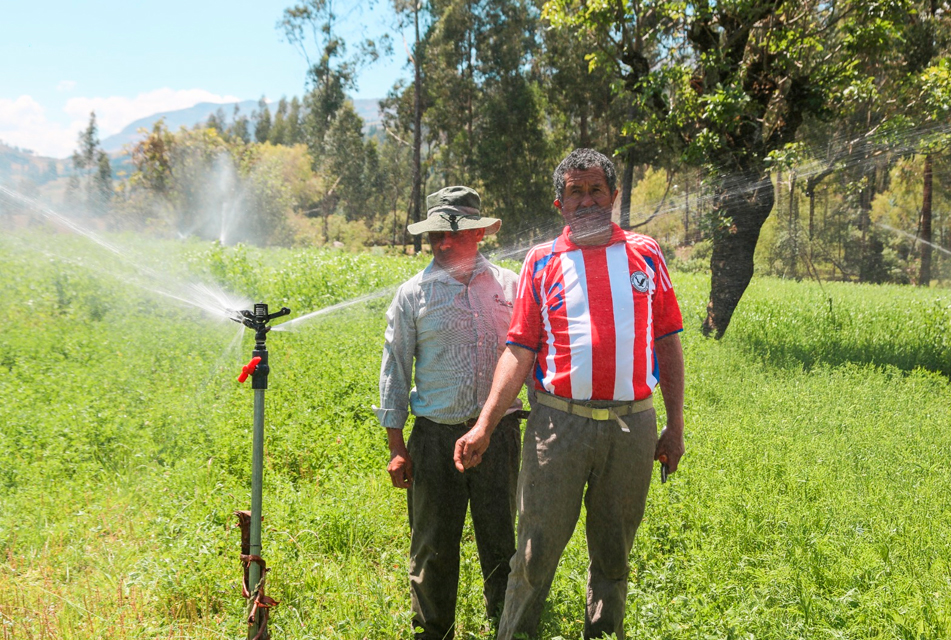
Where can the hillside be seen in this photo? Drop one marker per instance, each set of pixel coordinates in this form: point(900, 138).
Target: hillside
point(40, 175)
point(367, 109)
point(18, 166)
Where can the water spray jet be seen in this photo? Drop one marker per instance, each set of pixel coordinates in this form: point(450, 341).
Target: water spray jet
point(255, 569)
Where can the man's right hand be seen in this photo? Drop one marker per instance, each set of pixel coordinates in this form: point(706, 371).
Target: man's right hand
point(471, 447)
point(400, 469)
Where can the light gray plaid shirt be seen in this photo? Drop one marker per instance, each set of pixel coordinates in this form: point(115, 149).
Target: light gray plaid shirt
point(455, 332)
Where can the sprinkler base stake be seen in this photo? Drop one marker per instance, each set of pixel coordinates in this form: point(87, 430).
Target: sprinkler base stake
point(258, 603)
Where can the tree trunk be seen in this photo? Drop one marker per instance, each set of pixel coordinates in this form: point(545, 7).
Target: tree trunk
point(686, 209)
point(870, 265)
point(417, 133)
point(584, 139)
point(627, 176)
point(924, 275)
point(745, 201)
point(793, 226)
point(627, 185)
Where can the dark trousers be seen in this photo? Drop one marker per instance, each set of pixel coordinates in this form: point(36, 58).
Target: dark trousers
point(437, 512)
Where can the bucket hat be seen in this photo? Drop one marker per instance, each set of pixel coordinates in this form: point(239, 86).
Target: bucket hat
point(454, 209)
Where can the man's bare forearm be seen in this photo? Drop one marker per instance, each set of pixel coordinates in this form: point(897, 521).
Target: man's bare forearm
point(510, 372)
point(670, 360)
point(394, 438)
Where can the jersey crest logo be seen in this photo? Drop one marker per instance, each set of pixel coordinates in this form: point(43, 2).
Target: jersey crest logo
point(640, 281)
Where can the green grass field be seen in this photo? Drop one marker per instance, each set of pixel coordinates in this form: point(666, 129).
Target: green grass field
point(814, 500)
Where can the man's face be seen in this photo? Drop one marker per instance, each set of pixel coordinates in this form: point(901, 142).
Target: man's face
point(586, 203)
point(454, 249)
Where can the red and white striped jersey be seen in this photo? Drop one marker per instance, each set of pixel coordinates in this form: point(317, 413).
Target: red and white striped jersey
point(591, 314)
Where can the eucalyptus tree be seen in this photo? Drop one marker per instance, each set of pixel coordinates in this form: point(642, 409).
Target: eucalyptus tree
point(278, 132)
point(511, 152)
point(294, 135)
point(725, 85)
point(582, 108)
point(585, 111)
point(311, 26)
point(262, 121)
point(91, 181)
point(239, 128)
point(327, 122)
point(412, 10)
point(484, 121)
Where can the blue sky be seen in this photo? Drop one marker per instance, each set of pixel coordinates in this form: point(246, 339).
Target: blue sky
point(60, 60)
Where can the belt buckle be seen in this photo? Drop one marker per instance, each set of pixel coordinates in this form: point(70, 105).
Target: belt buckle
point(600, 414)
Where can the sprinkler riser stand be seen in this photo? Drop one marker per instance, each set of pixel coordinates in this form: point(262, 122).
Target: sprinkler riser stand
point(257, 483)
point(258, 602)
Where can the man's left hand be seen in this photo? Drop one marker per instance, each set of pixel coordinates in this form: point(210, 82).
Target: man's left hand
point(670, 445)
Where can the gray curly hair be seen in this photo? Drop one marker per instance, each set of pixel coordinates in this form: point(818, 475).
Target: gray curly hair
point(579, 160)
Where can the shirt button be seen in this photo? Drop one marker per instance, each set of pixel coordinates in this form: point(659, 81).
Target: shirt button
point(476, 314)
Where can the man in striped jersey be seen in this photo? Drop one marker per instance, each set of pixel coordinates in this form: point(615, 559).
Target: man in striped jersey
point(451, 319)
point(597, 323)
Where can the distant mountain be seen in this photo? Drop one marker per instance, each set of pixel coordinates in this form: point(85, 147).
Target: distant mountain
point(369, 110)
point(18, 165)
point(173, 120)
point(24, 169)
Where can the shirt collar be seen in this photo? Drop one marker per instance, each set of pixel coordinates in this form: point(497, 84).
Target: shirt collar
point(434, 272)
point(563, 242)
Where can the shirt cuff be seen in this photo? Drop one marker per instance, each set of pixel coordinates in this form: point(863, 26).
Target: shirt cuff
point(519, 344)
point(669, 333)
point(391, 418)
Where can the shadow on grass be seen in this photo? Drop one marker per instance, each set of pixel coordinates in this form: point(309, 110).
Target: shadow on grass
point(905, 336)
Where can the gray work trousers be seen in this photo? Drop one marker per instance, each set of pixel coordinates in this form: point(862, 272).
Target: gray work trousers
point(437, 511)
point(567, 459)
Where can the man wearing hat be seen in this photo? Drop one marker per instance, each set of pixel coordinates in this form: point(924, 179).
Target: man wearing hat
point(452, 318)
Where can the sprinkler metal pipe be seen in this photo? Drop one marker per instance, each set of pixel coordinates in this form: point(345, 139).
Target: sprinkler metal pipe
point(255, 568)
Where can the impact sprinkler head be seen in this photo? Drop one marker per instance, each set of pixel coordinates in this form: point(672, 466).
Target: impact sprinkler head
point(258, 318)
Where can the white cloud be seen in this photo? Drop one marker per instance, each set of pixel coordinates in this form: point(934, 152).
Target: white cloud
point(115, 112)
point(24, 121)
point(66, 85)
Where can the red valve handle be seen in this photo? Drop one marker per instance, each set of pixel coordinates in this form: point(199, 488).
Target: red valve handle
point(249, 368)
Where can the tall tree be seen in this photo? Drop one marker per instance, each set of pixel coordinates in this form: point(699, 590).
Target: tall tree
point(91, 182)
point(293, 122)
point(585, 111)
point(346, 160)
point(262, 121)
point(217, 121)
point(726, 86)
point(278, 133)
point(415, 7)
point(930, 36)
point(239, 128)
point(311, 27)
point(482, 104)
point(512, 154)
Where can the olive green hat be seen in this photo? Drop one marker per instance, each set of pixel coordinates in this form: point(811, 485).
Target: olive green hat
point(454, 209)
